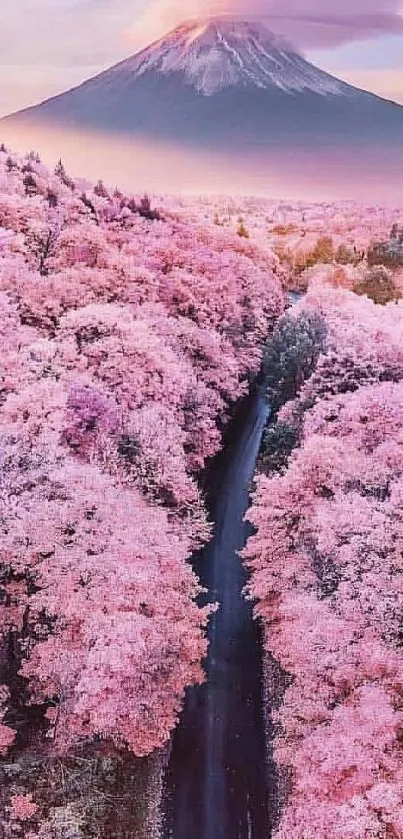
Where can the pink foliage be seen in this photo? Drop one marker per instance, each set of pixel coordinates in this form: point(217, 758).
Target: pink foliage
point(125, 340)
point(7, 736)
point(126, 639)
point(89, 414)
point(22, 808)
point(326, 575)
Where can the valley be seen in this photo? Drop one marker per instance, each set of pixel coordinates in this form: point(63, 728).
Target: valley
point(133, 336)
point(201, 413)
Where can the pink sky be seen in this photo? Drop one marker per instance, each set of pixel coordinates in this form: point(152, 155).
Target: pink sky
point(309, 23)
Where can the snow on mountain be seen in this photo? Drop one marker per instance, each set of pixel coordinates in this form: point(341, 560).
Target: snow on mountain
point(221, 52)
point(224, 83)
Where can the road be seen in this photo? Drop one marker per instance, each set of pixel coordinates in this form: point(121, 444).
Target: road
point(217, 779)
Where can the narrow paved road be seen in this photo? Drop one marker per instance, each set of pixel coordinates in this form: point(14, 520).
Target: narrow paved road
point(217, 781)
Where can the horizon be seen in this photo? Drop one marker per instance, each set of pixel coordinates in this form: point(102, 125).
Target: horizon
point(153, 153)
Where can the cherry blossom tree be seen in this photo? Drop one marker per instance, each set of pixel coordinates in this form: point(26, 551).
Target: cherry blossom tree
point(128, 333)
point(325, 563)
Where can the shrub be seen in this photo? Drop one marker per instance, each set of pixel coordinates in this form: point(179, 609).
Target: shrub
point(292, 354)
point(100, 190)
point(278, 442)
point(389, 253)
point(348, 256)
point(145, 210)
point(243, 231)
point(378, 284)
point(30, 184)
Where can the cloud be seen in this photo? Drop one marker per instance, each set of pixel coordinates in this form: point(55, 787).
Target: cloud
point(308, 23)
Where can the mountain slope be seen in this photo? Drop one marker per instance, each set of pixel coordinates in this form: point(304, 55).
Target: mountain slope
point(224, 81)
point(221, 53)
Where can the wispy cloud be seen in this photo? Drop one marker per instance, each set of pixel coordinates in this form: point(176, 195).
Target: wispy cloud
point(309, 23)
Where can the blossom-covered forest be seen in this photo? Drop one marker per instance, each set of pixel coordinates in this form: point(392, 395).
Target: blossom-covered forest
point(326, 563)
point(126, 337)
point(130, 331)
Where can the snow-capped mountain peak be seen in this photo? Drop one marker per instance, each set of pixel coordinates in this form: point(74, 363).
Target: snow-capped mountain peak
point(222, 52)
point(224, 83)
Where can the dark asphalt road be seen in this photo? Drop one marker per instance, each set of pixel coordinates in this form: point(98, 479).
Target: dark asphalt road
point(217, 779)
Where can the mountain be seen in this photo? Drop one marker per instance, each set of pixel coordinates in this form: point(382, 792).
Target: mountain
point(224, 81)
point(222, 53)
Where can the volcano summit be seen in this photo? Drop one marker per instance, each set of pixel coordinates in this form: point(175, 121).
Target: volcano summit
point(224, 81)
point(222, 53)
